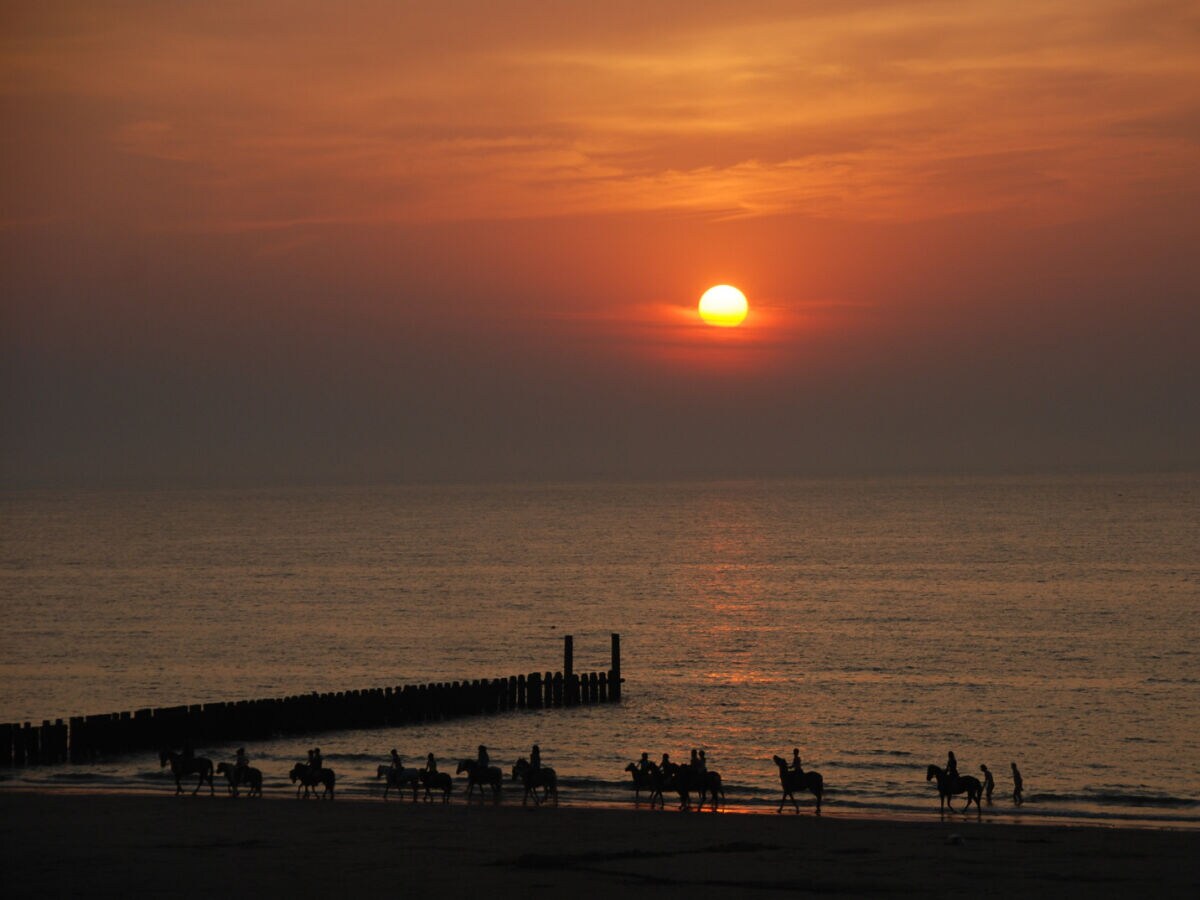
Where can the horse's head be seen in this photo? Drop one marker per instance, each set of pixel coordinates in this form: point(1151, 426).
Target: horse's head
point(464, 765)
point(519, 768)
point(781, 762)
point(380, 772)
point(222, 768)
point(632, 767)
point(295, 773)
point(932, 772)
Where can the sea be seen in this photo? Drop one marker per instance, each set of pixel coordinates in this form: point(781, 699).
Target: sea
point(873, 623)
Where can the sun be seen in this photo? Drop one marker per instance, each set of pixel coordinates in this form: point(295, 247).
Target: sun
point(724, 306)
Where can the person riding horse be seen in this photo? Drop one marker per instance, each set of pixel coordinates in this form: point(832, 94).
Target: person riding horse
point(794, 765)
point(397, 762)
point(483, 759)
point(535, 758)
point(644, 765)
point(430, 765)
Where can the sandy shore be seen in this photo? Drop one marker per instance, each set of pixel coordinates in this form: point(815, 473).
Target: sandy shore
point(100, 845)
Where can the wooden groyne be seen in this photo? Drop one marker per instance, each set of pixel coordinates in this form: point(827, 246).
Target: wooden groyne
point(85, 738)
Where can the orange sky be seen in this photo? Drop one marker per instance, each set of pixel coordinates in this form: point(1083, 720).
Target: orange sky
point(310, 241)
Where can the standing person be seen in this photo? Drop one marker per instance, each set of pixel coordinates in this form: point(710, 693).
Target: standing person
point(535, 758)
point(989, 783)
point(1018, 786)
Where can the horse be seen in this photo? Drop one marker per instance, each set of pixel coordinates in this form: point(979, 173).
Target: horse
point(310, 778)
point(439, 780)
point(477, 775)
point(651, 780)
point(685, 780)
point(237, 777)
point(544, 778)
point(797, 779)
point(399, 779)
point(967, 784)
point(188, 765)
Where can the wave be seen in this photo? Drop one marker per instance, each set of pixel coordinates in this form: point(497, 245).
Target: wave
point(1117, 798)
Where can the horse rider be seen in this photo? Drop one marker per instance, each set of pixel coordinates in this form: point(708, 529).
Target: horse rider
point(483, 759)
point(240, 763)
point(317, 763)
point(666, 765)
point(644, 765)
point(397, 763)
point(703, 764)
point(430, 765)
point(952, 769)
point(795, 763)
point(535, 758)
point(694, 762)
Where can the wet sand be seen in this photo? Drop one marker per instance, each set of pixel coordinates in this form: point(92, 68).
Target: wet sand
point(98, 845)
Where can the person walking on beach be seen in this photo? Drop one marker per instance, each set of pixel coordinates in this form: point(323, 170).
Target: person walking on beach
point(989, 783)
point(1018, 786)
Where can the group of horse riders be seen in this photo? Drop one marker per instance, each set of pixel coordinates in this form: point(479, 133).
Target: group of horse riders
point(646, 766)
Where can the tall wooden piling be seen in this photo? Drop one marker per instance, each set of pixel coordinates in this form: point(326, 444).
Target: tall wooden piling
point(614, 673)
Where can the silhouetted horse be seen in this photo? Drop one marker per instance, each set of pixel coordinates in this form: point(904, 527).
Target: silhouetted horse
point(793, 780)
point(437, 780)
point(685, 781)
point(651, 780)
point(967, 784)
point(310, 779)
point(250, 777)
point(399, 779)
point(188, 765)
point(544, 778)
point(477, 775)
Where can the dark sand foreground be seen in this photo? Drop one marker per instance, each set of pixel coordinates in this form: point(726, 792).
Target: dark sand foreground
point(100, 845)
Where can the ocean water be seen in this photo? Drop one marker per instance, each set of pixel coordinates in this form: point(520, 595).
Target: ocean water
point(873, 623)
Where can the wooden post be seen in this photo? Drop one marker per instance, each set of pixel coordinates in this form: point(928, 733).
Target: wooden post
point(614, 675)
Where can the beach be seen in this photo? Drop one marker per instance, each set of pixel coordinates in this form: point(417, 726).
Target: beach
point(99, 845)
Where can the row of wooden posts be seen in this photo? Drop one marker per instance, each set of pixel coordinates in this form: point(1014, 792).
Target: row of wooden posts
point(86, 738)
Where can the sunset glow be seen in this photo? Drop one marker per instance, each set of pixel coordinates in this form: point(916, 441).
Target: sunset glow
point(233, 235)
